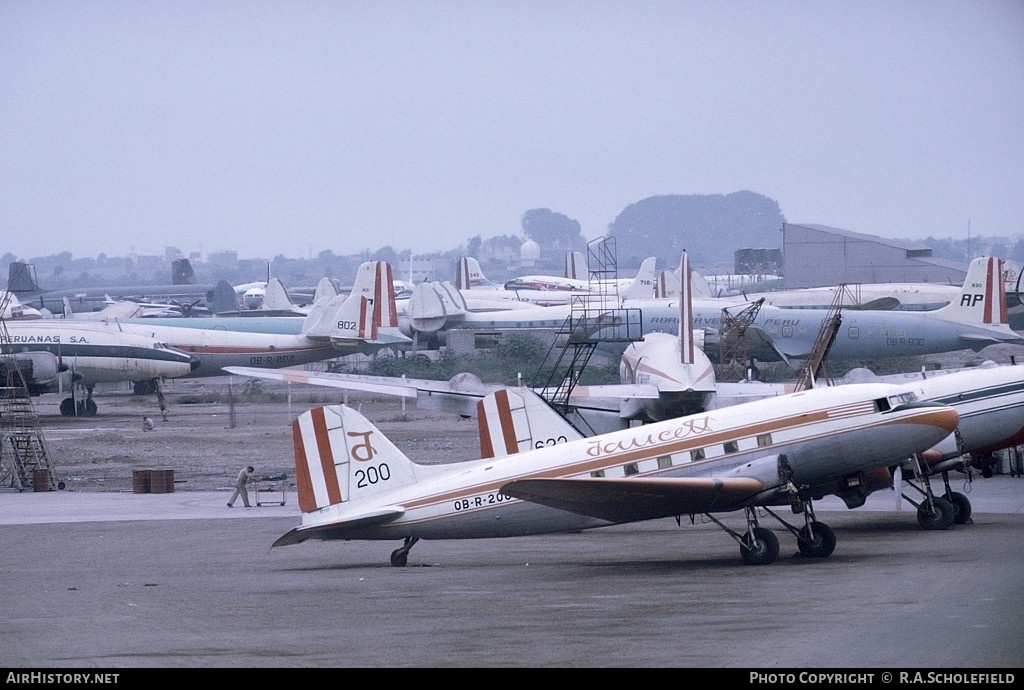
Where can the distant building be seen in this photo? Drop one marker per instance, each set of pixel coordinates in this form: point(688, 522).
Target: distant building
point(225, 259)
point(818, 256)
point(529, 254)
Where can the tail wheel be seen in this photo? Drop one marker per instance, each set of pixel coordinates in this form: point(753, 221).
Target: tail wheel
point(761, 547)
point(817, 540)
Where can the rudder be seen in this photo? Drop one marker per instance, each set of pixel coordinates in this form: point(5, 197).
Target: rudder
point(340, 456)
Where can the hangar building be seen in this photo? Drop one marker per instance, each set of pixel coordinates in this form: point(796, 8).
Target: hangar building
point(818, 256)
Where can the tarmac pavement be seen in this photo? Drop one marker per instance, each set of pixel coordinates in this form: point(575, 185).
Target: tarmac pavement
point(102, 580)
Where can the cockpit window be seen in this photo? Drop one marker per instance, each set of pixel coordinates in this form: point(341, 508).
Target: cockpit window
point(902, 398)
point(885, 404)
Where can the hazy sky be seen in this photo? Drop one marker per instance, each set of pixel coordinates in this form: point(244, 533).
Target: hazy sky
point(290, 127)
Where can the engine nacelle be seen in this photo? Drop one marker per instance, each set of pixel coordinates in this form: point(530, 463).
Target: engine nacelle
point(855, 488)
point(43, 371)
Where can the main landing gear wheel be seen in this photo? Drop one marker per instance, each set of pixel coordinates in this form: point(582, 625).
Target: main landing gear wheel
point(400, 556)
point(69, 407)
point(961, 507)
point(760, 547)
point(939, 516)
point(816, 540)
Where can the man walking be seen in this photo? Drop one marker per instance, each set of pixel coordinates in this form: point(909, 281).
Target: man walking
point(244, 477)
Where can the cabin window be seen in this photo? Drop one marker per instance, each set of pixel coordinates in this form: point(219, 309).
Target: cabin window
point(664, 462)
point(764, 440)
point(730, 447)
point(854, 332)
point(696, 454)
point(900, 333)
point(597, 473)
point(787, 331)
point(630, 469)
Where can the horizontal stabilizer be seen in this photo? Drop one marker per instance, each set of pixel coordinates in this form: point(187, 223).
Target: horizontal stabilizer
point(615, 391)
point(338, 530)
point(635, 498)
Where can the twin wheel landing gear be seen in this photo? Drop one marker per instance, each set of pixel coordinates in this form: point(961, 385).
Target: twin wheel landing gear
point(938, 512)
point(760, 546)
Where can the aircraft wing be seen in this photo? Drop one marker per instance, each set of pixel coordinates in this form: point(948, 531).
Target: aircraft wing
point(635, 498)
point(458, 395)
point(341, 529)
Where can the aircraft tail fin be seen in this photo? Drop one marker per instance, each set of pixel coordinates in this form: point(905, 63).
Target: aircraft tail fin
point(325, 289)
point(433, 304)
point(668, 285)
point(687, 345)
point(276, 296)
point(224, 298)
point(982, 300)
point(361, 315)
point(375, 282)
point(468, 275)
point(642, 286)
point(182, 273)
point(340, 456)
point(21, 277)
point(518, 420)
point(576, 266)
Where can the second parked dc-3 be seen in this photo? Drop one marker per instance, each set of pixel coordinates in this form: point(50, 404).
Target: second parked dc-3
point(539, 476)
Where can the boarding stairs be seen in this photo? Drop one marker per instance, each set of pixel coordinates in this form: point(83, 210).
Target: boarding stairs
point(594, 319)
point(25, 463)
point(816, 370)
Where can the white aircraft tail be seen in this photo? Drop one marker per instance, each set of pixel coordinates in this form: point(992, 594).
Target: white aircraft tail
point(687, 343)
point(982, 300)
point(432, 304)
point(340, 456)
point(360, 315)
point(276, 297)
point(642, 286)
point(325, 289)
point(576, 266)
point(469, 275)
point(518, 420)
point(669, 285)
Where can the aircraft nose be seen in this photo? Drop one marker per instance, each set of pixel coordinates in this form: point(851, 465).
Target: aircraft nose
point(947, 418)
point(936, 414)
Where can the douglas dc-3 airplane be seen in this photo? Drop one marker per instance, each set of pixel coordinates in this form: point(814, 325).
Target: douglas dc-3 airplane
point(538, 476)
point(665, 377)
